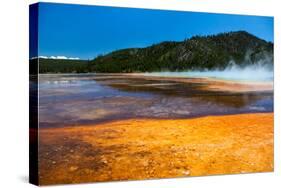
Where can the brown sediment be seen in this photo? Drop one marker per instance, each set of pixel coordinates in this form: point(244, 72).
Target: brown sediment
point(148, 148)
point(232, 86)
point(213, 84)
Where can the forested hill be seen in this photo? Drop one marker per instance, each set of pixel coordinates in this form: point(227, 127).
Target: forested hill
point(196, 53)
point(62, 65)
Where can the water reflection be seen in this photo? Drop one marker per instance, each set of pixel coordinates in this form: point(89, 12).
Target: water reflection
point(83, 99)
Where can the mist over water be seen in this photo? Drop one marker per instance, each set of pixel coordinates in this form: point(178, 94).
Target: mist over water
point(259, 72)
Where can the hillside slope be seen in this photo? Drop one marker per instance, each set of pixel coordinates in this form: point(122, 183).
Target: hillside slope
point(196, 53)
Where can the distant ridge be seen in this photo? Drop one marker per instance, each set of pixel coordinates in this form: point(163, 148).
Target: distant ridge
point(197, 53)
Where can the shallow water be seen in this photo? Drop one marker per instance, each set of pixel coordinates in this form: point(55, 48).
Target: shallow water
point(91, 98)
point(231, 74)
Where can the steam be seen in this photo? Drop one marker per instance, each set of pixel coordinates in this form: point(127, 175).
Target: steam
point(255, 72)
point(260, 71)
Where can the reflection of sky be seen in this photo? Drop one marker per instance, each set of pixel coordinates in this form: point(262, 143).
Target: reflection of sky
point(64, 88)
point(68, 100)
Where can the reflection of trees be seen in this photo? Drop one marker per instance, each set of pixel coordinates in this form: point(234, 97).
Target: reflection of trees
point(180, 89)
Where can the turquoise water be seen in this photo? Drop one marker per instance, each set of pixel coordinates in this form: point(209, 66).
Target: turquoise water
point(232, 74)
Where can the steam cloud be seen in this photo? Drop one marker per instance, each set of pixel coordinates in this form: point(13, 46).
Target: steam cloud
point(260, 71)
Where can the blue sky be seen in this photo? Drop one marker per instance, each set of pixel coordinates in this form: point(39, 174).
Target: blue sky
point(87, 31)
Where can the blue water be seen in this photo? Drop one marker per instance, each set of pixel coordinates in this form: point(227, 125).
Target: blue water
point(81, 99)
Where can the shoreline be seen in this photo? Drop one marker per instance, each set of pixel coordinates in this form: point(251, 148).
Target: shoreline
point(102, 123)
point(148, 149)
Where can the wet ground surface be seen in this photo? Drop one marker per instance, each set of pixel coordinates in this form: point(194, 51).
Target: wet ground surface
point(148, 148)
point(69, 100)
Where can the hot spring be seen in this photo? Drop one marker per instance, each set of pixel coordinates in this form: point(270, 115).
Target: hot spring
point(252, 73)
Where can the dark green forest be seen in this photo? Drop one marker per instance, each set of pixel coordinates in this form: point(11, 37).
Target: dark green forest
point(196, 53)
point(63, 66)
